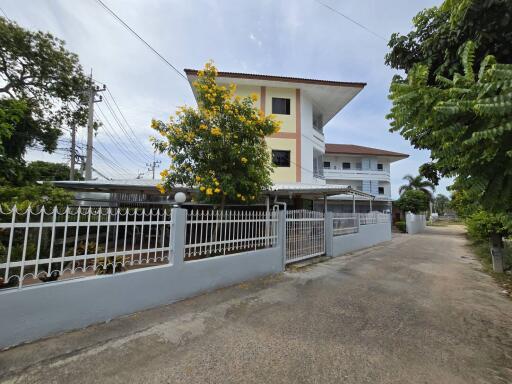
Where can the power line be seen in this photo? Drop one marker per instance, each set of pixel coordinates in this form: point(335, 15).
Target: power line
point(140, 150)
point(125, 151)
point(5, 14)
point(351, 20)
point(141, 39)
point(122, 114)
point(112, 160)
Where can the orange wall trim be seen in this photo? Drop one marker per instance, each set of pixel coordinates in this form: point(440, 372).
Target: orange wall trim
point(263, 99)
point(298, 136)
point(284, 135)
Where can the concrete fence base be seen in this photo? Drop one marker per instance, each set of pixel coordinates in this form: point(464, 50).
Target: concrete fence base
point(367, 236)
point(41, 310)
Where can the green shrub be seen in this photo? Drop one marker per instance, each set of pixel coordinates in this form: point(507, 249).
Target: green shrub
point(414, 201)
point(401, 226)
point(482, 224)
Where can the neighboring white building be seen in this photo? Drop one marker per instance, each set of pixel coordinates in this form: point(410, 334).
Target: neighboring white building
point(362, 168)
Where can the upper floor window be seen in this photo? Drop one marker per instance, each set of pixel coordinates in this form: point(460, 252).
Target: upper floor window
point(327, 164)
point(281, 158)
point(318, 122)
point(346, 165)
point(280, 106)
point(380, 167)
point(381, 190)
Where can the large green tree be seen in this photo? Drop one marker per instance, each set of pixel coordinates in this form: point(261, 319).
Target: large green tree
point(465, 122)
point(42, 90)
point(441, 204)
point(439, 33)
point(218, 147)
point(414, 201)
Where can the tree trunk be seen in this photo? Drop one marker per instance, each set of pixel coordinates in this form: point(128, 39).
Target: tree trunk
point(496, 243)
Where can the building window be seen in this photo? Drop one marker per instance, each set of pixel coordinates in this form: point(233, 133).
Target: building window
point(280, 106)
point(346, 165)
point(318, 122)
point(327, 164)
point(380, 167)
point(281, 158)
point(381, 190)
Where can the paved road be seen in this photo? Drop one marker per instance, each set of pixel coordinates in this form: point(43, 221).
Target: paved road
point(415, 310)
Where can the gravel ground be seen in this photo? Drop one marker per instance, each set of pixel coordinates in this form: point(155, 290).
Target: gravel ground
point(414, 310)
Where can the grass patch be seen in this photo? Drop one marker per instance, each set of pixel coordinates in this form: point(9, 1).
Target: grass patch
point(481, 250)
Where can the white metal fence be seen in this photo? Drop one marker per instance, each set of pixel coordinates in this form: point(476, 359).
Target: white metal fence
point(305, 234)
point(345, 223)
point(374, 218)
point(214, 232)
point(40, 245)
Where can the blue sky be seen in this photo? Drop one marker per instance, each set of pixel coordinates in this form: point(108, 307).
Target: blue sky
point(280, 37)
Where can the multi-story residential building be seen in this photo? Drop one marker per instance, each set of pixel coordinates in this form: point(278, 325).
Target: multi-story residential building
point(304, 106)
point(362, 168)
point(299, 152)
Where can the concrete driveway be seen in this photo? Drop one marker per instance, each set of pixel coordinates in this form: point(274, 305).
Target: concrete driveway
point(415, 310)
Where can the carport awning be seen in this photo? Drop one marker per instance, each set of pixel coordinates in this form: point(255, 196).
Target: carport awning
point(149, 186)
point(314, 190)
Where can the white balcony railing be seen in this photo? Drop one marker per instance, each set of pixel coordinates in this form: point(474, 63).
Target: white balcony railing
point(356, 174)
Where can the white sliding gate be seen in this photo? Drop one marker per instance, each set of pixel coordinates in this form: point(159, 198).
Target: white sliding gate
point(305, 234)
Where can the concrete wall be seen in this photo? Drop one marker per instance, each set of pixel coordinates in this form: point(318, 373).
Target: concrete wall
point(34, 312)
point(415, 223)
point(367, 236)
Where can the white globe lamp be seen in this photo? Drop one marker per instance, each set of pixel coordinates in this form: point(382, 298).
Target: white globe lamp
point(180, 198)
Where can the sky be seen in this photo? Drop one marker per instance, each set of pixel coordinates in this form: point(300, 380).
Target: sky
point(299, 38)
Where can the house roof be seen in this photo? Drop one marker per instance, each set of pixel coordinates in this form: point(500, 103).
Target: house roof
point(351, 149)
point(327, 97)
point(254, 76)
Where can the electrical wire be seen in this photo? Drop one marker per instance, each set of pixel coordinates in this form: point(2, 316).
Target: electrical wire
point(122, 148)
point(351, 20)
point(141, 39)
point(139, 149)
point(122, 115)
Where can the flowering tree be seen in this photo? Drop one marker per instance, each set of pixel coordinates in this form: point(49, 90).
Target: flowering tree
point(218, 147)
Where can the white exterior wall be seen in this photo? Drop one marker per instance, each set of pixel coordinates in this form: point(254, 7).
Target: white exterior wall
point(367, 178)
point(310, 140)
point(368, 163)
point(415, 223)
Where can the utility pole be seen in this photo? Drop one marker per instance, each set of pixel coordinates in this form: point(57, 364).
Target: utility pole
point(93, 90)
point(73, 153)
point(153, 165)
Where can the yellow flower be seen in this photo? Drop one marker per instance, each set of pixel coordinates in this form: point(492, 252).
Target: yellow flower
point(238, 195)
point(216, 131)
point(202, 189)
point(161, 188)
point(203, 126)
point(217, 190)
point(243, 198)
point(252, 197)
point(154, 123)
point(164, 173)
point(198, 178)
point(254, 96)
point(243, 160)
point(209, 191)
point(216, 183)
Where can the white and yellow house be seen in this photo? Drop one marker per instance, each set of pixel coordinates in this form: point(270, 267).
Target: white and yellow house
point(303, 106)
